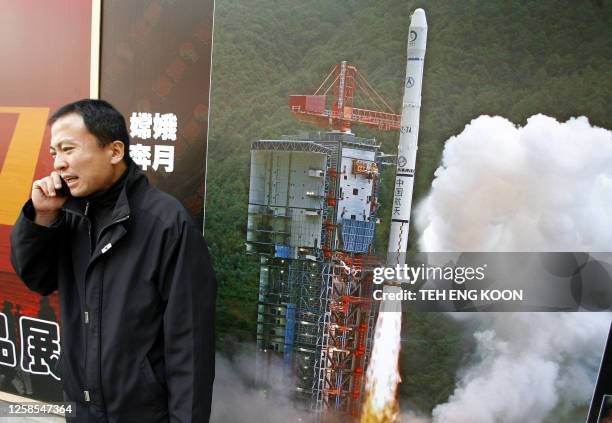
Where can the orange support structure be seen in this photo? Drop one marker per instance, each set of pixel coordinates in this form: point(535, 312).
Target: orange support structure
point(346, 84)
point(347, 350)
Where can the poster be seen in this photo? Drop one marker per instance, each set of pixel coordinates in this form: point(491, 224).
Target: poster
point(513, 155)
point(46, 51)
point(155, 68)
point(153, 62)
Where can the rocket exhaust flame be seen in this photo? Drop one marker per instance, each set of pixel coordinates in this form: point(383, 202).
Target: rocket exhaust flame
point(380, 404)
point(383, 372)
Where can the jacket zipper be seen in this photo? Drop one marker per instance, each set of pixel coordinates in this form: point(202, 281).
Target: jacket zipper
point(126, 217)
point(86, 317)
point(88, 229)
point(100, 342)
point(87, 314)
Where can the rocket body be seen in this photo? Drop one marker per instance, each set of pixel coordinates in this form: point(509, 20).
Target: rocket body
point(409, 132)
point(383, 375)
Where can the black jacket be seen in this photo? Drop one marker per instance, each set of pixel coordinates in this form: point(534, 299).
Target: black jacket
point(136, 305)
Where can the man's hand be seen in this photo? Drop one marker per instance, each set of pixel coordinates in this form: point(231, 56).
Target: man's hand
point(45, 199)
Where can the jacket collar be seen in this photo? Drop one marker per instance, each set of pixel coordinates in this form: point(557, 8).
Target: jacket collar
point(134, 178)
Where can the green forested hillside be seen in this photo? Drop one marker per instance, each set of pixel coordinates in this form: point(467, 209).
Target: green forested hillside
point(494, 57)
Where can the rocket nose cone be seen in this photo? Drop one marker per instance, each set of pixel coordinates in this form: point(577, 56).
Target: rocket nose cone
point(418, 18)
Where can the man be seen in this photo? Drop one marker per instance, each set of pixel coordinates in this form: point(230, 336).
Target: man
point(137, 291)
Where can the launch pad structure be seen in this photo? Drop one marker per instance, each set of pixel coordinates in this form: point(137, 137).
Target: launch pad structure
point(313, 205)
point(312, 216)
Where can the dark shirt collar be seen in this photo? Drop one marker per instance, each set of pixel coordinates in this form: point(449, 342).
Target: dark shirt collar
point(108, 197)
point(131, 176)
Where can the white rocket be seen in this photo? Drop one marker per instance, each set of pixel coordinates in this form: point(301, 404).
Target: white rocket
point(409, 133)
point(383, 375)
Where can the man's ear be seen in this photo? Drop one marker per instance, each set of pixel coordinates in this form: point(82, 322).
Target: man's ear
point(118, 151)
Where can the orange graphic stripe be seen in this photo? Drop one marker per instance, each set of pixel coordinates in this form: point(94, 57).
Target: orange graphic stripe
point(17, 172)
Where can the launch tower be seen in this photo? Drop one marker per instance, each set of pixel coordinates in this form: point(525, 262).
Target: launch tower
point(312, 216)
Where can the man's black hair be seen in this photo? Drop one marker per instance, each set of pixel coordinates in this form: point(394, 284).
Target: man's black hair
point(101, 119)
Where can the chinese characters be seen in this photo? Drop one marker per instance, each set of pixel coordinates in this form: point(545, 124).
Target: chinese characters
point(40, 345)
point(157, 126)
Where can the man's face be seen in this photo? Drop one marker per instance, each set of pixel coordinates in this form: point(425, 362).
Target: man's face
point(79, 159)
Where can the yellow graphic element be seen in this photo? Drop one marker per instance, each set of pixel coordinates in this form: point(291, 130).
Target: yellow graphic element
point(17, 172)
point(94, 64)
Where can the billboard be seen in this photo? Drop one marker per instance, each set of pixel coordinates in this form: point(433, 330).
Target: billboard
point(155, 68)
point(46, 51)
point(151, 59)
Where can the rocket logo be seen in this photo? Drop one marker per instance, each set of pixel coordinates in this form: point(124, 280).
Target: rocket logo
point(409, 82)
point(412, 37)
point(401, 161)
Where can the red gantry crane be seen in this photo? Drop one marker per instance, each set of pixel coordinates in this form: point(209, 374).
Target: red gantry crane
point(345, 82)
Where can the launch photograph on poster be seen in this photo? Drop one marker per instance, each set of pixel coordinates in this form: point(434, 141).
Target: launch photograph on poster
point(406, 204)
point(314, 177)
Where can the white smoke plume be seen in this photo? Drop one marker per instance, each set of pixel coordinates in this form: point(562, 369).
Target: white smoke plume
point(409, 417)
point(249, 391)
point(546, 186)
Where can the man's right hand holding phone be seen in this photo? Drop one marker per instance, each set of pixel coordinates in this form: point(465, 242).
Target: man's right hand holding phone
point(47, 198)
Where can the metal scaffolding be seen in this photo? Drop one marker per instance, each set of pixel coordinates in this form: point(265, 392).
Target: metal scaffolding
point(315, 305)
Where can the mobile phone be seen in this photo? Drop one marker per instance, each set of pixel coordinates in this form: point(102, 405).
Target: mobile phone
point(64, 191)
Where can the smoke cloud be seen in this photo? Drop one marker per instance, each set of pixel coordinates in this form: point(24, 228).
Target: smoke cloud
point(546, 186)
point(409, 417)
point(542, 187)
point(250, 391)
